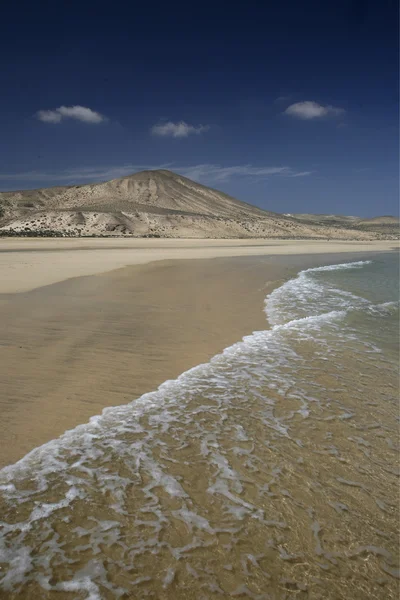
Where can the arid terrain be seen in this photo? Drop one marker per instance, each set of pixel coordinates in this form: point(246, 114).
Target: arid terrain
point(163, 204)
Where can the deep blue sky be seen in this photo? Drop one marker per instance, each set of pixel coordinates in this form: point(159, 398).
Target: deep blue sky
point(234, 71)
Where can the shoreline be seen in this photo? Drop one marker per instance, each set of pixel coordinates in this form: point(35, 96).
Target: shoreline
point(73, 348)
point(27, 264)
point(278, 438)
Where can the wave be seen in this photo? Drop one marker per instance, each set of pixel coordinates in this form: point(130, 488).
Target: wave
point(339, 267)
point(307, 295)
point(247, 347)
point(125, 445)
point(385, 308)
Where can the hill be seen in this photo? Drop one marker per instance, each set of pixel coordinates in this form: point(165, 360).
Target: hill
point(162, 203)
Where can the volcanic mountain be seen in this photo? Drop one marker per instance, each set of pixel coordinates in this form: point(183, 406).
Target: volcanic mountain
point(160, 203)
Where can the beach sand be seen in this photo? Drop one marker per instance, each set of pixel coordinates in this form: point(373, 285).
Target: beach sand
point(79, 334)
point(268, 472)
point(29, 263)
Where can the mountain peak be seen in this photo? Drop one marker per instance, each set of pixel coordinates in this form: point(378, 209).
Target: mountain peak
point(163, 203)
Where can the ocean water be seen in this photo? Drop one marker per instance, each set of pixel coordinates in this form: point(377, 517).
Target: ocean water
point(270, 472)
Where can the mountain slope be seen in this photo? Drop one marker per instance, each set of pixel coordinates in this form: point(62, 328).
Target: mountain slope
point(162, 203)
point(147, 190)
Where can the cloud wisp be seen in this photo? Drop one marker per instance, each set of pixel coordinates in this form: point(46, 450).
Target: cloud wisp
point(178, 130)
point(282, 99)
point(204, 173)
point(78, 113)
point(212, 172)
point(312, 110)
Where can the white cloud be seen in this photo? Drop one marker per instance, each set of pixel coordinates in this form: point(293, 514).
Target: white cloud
point(74, 176)
point(178, 130)
point(49, 116)
point(302, 174)
point(79, 113)
point(312, 110)
point(205, 173)
point(218, 173)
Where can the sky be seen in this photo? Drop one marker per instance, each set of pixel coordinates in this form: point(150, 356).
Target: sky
point(291, 106)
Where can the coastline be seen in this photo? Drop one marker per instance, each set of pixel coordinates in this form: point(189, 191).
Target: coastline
point(72, 348)
point(26, 264)
point(241, 461)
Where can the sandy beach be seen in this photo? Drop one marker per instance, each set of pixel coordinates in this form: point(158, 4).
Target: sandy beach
point(81, 331)
point(268, 470)
point(26, 264)
point(200, 302)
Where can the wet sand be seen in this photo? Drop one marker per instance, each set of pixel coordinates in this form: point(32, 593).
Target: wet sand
point(269, 473)
point(72, 348)
point(26, 264)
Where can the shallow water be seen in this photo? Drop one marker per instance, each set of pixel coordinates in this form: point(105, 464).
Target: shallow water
point(270, 472)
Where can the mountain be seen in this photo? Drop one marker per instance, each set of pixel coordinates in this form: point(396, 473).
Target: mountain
point(386, 224)
point(162, 203)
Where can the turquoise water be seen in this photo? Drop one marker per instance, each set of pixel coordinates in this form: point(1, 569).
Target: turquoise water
point(270, 472)
point(377, 282)
point(365, 292)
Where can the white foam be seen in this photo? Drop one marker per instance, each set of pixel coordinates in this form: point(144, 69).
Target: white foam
point(339, 267)
point(305, 296)
point(384, 309)
point(169, 577)
point(129, 449)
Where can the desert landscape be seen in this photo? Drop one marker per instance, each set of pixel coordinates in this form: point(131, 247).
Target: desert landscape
point(160, 203)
